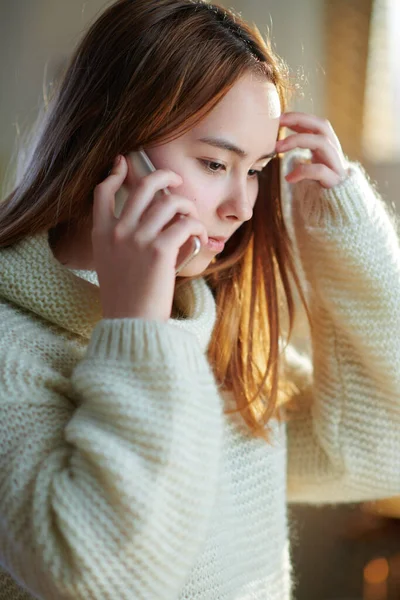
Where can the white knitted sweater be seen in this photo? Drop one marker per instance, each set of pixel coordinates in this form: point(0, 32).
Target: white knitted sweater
point(120, 476)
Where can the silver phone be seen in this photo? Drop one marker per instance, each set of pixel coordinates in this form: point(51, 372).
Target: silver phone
point(142, 166)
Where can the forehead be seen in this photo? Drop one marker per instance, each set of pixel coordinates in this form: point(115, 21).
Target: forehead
point(248, 115)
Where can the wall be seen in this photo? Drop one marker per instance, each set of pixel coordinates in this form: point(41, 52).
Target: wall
point(35, 35)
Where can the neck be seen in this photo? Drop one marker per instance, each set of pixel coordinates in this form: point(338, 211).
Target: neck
point(72, 246)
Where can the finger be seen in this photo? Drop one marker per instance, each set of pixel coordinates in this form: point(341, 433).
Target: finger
point(316, 143)
point(181, 231)
point(160, 215)
point(143, 194)
point(104, 194)
point(326, 177)
point(306, 123)
point(305, 120)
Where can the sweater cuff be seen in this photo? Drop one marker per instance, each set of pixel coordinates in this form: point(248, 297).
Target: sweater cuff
point(144, 341)
point(349, 202)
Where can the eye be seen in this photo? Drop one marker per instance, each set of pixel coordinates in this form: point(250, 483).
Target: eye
point(254, 173)
point(216, 167)
point(213, 166)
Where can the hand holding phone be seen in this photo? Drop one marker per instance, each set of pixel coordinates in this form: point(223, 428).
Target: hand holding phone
point(143, 166)
point(137, 241)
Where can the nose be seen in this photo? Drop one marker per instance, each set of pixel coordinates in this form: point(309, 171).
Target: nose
point(237, 206)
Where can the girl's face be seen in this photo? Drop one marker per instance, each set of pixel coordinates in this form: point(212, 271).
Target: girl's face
point(221, 157)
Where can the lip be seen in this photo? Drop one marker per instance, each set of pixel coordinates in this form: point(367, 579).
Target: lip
point(215, 245)
point(219, 238)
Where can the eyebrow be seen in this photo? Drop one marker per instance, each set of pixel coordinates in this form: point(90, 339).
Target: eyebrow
point(226, 145)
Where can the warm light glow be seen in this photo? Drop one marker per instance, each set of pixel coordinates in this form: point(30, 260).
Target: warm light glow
point(376, 571)
point(382, 94)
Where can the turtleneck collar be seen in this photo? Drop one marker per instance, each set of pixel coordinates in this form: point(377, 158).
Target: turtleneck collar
point(34, 280)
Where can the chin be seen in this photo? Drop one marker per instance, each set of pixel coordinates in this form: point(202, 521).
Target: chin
point(196, 266)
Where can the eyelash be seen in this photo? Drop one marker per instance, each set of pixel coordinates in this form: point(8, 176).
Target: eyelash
point(206, 164)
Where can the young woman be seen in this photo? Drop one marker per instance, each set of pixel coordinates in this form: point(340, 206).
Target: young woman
point(154, 427)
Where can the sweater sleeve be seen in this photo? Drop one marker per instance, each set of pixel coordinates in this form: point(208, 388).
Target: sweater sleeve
point(109, 496)
point(344, 438)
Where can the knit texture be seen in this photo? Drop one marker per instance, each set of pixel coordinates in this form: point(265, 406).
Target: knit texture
point(120, 475)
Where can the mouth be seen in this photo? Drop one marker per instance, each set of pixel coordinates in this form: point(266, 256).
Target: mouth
point(216, 244)
point(218, 238)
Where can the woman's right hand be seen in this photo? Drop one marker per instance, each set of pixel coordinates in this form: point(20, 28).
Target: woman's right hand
point(135, 255)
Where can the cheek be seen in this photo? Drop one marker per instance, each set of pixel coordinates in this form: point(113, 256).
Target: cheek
point(253, 192)
point(198, 189)
point(198, 195)
point(196, 186)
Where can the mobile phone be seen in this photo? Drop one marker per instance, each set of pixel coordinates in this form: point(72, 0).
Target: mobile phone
point(142, 166)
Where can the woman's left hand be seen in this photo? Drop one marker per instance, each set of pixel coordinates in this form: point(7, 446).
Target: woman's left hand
point(328, 165)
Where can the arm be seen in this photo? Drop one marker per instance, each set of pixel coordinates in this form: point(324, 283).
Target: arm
point(344, 443)
point(110, 499)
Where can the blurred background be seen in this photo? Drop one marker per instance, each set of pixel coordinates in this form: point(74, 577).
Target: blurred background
point(346, 56)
